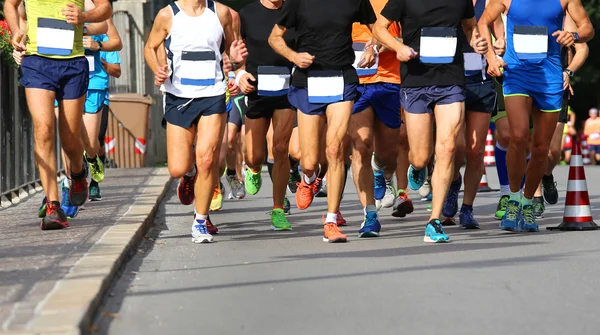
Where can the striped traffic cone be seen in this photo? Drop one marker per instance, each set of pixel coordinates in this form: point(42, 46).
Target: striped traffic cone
point(585, 152)
point(483, 184)
point(489, 159)
point(578, 214)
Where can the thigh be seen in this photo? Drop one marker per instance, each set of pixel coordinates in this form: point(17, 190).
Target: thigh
point(309, 133)
point(544, 127)
point(419, 129)
point(71, 111)
point(449, 119)
point(518, 111)
point(360, 129)
point(283, 124)
point(41, 106)
point(179, 145)
point(210, 133)
point(256, 132)
point(338, 119)
point(476, 125)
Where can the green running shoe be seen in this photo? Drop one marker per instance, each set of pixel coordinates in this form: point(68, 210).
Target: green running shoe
point(42, 210)
point(253, 182)
point(95, 194)
point(97, 170)
point(430, 208)
point(279, 221)
point(501, 209)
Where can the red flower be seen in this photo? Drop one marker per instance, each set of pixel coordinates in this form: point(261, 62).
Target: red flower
point(4, 28)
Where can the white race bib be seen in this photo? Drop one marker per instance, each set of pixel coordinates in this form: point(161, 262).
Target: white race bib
point(594, 136)
point(473, 62)
point(530, 43)
point(89, 55)
point(273, 80)
point(198, 68)
point(359, 50)
point(438, 45)
point(54, 37)
point(325, 86)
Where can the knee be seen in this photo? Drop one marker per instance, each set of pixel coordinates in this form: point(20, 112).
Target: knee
point(503, 139)
point(555, 152)
point(539, 151)
point(362, 148)
point(519, 139)
point(44, 133)
point(280, 148)
point(334, 151)
point(475, 154)
point(205, 160)
point(178, 170)
point(445, 149)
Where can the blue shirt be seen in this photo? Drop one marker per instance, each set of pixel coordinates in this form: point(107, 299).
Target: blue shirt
point(99, 81)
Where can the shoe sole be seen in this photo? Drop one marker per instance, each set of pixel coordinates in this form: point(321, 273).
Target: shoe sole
point(402, 210)
point(368, 234)
point(53, 225)
point(469, 227)
point(498, 217)
point(204, 240)
point(321, 195)
point(280, 229)
point(428, 239)
point(335, 240)
point(510, 229)
point(96, 199)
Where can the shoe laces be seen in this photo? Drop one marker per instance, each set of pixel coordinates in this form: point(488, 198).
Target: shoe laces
point(51, 208)
point(217, 192)
point(467, 215)
point(504, 202)
point(380, 182)
point(332, 229)
point(512, 211)
point(371, 217)
point(201, 227)
point(253, 176)
point(437, 225)
point(236, 184)
point(416, 176)
point(78, 185)
point(551, 184)
point(538, 206)
point(528, 214)
point(188, 184)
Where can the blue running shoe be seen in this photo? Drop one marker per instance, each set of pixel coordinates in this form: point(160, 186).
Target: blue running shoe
point(510, 221)
point(467, 221)
point(527, 220)
point(434, 233)
point(429, 197)
point(379, 190)
point(416, 178)
point(70, 210)
point(370, 226)
point(451, 204)
point(42, 210)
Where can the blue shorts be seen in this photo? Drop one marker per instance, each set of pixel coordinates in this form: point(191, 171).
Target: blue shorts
point(421, 100)
point(185, 112)
point(229, 105)
point(237, 114)
point(481, 97)
point(298, 98)
point(67, 77)
point(595, 148)
point(544, 101)
point(385, 100)
point(94, 100)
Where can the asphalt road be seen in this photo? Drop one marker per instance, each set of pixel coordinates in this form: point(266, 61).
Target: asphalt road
point(257, 281)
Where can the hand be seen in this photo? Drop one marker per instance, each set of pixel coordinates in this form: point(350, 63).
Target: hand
point(18, 41)
point(368, 58)
point(478, 43)
point(238, 51)
point(495, 66)
point(405, 53)
point(104, 64)
point(227, 66)
point(233, 88)
point(160, 75)
point(303, 60)
point(500, 47)
point(73, 14)
point(18, 56)
point(565, 38)
point(245, 85)
point(89, 43)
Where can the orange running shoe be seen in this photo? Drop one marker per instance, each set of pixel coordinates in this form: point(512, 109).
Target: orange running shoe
point(333, 234)
point(185, 189)
point(340, 220)
point(305, 193)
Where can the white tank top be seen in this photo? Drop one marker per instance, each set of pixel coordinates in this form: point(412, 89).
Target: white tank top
point(194, 54)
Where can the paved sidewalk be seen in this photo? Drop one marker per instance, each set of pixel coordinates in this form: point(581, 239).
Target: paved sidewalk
point(51, 281)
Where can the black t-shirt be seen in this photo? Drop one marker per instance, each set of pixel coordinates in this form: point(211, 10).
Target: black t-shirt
point(324, 30)
point(415, 15)
point(257, 22)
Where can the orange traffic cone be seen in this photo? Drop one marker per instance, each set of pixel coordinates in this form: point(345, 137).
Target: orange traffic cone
point(483, 184)
point(489, 157)
point(578, 214)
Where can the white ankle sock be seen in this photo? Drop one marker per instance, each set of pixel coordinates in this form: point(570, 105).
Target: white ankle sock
point(331, 218)
point(310, 180)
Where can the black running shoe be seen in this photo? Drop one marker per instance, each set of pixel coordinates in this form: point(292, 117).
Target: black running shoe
point(55, 217)
point(549, 189)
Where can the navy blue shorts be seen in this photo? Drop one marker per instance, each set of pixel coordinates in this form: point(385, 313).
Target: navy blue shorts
point(481, 97)
point(595, 148)
point(385, 100)
point(298, 97)
point(421, 100)
point(67, 77)
point(185, 112)
point(237, 114)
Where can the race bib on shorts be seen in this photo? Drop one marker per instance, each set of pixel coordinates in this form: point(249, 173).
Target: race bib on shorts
point(197, 68)
point(273, 81)
point(594, 136)
point(530, 43)
point(359, 50)
point(89, 55)
point(54, 37)
point(438, 45)
point(325, 87)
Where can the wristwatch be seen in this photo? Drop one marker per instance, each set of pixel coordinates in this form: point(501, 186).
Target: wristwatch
point(576, 37)
point(569, 72)
point(100, 46)
point(85, 31)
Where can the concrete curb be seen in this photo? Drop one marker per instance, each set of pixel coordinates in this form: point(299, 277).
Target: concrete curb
point(69, 307)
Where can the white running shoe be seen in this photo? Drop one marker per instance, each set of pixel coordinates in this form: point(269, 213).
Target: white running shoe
point(425, 190)
point(390, 195)
point(200, 233)
point(238, 191)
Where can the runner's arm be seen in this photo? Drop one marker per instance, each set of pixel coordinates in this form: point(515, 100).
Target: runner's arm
point(581, 49)
point(102, 12)
point(585, 29)
point(278, 44)
point(470, 27)
point(97, 28)
point(12, 17)
point(491, 14)
point(156, 38)
point(113, 70)
point(382, 34)
point(224, 14)
point(114, 42)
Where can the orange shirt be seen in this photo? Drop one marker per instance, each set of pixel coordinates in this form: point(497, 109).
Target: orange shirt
point(389, 66)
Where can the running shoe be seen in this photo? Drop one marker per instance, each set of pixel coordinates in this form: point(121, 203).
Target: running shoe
point(253, 182)
point(425, 190)
point(451, 204)
point(370, 227)
point(466, 219)
point(42, 210)
point(238, 191)
point(512, 216)
point(287, 206)
point(333, 234)
point(527, 222)
point(434, 232)
point(403, 205)
point(549, 190)
point(390, 195)
point(305, 193)
point(380, 184)
point(185, 189)
point(538, 207)
point(200, 233)
point(430, 207)
point(322, 182)
point(416, 178)
point(279, 221)
point(78, 192)
point(217, 199)
point(68, 208)
point(501, 209)
point(293, 180)
point(340, 220)
point(55, 217)
point(95, 194)
point(97, 169)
